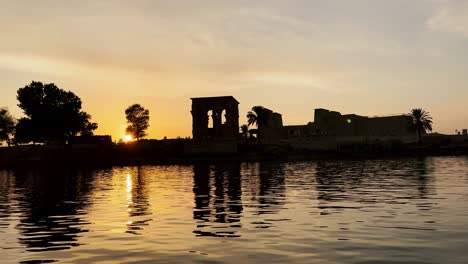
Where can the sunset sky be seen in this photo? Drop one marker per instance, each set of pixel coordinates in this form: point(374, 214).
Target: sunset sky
point(369, 57)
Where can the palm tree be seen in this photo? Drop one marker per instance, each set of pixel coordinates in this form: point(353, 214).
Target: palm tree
point(244, 131)
point(422, 121)
point(257, 117)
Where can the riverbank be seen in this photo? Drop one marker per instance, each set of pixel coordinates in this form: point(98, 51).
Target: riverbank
point(173, 153)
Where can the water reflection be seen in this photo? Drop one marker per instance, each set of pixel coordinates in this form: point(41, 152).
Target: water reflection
point(138, 205)
point(218, 192)
point(330, 211)
point(272, 191)
point(5, 193)
point(52, 204)
point(368, 182)
point(219, 204)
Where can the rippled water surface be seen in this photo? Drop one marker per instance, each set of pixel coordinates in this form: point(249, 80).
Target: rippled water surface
point(372, 211)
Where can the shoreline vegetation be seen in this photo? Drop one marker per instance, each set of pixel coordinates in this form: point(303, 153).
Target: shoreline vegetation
point(171, 152)
point(55, 131)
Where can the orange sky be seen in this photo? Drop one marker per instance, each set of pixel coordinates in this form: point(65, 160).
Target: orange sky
point(370, 57)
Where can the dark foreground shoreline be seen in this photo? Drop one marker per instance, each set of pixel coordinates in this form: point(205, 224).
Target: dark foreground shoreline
point(44, 156)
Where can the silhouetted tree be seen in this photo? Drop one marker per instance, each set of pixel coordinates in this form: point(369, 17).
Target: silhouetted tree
point(7, 126)
point(88, 127)
point(422, 121)
point(138, 121)
point(244, 129)
point(52, 114)
point(24, 131)
point(257, 117)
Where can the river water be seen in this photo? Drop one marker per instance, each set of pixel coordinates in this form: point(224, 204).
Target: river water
point(367, 211)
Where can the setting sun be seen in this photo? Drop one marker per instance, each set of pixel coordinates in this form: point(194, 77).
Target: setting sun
point(128, 138)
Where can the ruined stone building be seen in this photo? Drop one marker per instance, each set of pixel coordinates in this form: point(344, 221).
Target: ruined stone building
point(332, 123)
point(270, 130)
point(215, 124)
point(216, 128)
point(331, 129)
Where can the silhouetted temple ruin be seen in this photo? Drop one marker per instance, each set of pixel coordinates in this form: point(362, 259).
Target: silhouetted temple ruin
point(331, 129)
point(222, 134)
point(223, 126)
point(216, 128)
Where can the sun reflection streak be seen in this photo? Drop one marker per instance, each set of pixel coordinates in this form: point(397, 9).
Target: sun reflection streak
point(129, 191)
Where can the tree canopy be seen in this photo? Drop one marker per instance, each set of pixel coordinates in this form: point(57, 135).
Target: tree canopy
point(52, 114)
point(138, 121)
point(7, 126)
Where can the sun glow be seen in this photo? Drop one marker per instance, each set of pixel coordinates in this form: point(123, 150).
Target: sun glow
point(128, 138)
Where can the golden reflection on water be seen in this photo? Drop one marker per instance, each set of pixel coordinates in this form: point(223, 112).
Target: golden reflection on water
point(129, 196)
point(328, 211)
point(129, 192)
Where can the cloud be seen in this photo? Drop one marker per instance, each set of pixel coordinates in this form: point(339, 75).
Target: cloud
point(452, 17)
point(316, 52)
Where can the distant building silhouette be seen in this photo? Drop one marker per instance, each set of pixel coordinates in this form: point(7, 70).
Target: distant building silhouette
point(223, 134)
point(269, 131)
point(330, 130)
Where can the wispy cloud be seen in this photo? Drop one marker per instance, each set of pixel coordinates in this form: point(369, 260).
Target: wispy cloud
point(273, 52)
point(451, 17)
